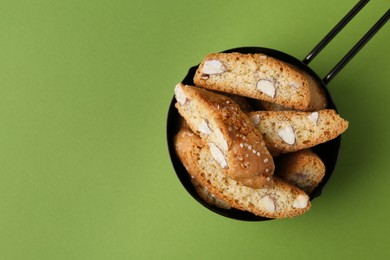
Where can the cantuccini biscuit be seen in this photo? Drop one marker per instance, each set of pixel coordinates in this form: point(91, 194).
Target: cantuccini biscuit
point(303, 169)
point(187, 147)
point(280, 200)
point(260, 77)
point(290, 131)
point(234, 143)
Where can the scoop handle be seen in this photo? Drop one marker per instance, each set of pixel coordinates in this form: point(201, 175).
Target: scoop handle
point(355, 49)
point(343, 22)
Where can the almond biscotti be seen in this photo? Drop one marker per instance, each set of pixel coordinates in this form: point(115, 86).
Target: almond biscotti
point(280, 200)
point(186, 147)
point(260, 77)
point(303, 169)
point(234, 143)
point(290, 131)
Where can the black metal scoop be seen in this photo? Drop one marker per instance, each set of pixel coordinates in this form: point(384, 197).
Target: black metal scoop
point(328, 151)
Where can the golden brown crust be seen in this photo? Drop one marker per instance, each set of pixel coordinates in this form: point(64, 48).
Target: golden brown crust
point(241, 73)
point(279, 201)
point(317, 95)
point(238, 146)
point(303, 169)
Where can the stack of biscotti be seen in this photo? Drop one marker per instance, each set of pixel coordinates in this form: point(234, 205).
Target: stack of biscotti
point(278, 200)
point(232, 152)
point(229, 133)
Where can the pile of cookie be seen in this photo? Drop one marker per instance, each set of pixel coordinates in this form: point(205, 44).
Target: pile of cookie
point(254, 156)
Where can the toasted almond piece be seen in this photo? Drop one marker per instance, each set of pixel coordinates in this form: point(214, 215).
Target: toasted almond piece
point(204, 127)
point(218, 155)
point(267, 87)
point(287, 134)
point(269, 203)
point(179, 95)
point(313, 117)
point(213, 67)
point(301, 201)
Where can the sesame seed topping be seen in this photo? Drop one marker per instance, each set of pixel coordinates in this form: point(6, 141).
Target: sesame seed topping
point(230, 128)
point(267, 170)
point(250, 147)
point(241, 145)
point(227, 102)
point(268, 179)
point(265, 160)
point(258, 153)
point(246, 155)
point(254, 151)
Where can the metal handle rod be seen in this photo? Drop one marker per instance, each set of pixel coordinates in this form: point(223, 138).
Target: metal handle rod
point(355, 49)
point(348, 17)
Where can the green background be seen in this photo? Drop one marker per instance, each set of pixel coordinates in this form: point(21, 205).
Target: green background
point(84, 93)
